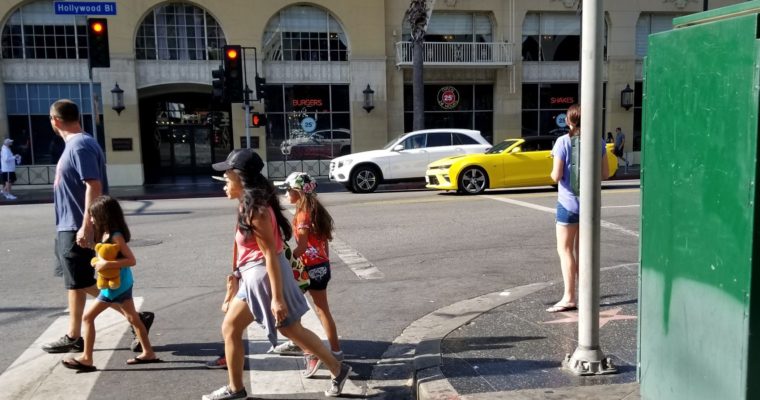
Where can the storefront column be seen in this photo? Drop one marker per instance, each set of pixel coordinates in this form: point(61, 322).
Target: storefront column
point(369, 129)
point(621, 71)
point(506, 106)
point(122, 131)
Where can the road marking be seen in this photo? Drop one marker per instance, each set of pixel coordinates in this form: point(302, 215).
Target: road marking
point(603, 223)
point(273, 374)
point(36, 374)
point(361, 267)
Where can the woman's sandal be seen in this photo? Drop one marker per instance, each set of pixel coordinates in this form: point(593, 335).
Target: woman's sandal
point(138, 360)
point(561, 308)
point(72, 363)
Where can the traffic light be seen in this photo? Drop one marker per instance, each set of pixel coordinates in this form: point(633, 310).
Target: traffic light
point(233, 73)
point(260, 82)
point(97, 43)
point(258, 120)
point(218, 93)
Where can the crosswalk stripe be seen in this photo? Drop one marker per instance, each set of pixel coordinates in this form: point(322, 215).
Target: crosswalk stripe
point(36, 374)
point(273, 374)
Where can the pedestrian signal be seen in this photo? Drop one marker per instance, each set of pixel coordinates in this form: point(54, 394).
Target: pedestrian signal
point(258, 119)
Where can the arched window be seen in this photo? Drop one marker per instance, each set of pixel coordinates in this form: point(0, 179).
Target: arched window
point(304, 33)
point(34, 31)
point(179, 31)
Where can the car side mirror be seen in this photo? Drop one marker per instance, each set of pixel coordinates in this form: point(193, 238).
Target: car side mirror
point(398, 147)
point(516, 150)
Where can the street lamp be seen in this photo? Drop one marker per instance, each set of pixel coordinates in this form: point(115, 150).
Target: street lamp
point(117, 99)
point(626, 97)
point(369, 99)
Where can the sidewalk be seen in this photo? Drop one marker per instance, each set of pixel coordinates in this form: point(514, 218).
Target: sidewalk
point(515, 350)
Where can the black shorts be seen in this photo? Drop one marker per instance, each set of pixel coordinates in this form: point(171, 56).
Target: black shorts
point(319, 275)
point(7, 177)
point(75, 261)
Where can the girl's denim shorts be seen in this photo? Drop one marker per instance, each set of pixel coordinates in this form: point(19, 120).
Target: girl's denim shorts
point(565, 217)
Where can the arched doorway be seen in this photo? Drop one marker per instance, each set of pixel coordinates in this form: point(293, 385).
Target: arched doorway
point(181, 133)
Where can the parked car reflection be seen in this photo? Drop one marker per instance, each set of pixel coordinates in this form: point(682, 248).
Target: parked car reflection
point(324, 144)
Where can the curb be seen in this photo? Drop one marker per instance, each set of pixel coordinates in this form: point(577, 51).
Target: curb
point(428, 381)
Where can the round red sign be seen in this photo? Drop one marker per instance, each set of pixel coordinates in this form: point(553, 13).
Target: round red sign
point(448, 97)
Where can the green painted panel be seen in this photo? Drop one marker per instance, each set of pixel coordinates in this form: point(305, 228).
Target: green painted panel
point(698, 192)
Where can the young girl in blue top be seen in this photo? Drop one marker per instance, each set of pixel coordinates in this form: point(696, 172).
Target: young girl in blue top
point(110, 227)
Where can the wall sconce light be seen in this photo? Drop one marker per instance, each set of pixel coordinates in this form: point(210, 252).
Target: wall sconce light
point(117, 99)
point(369, 99)
point(626, 97)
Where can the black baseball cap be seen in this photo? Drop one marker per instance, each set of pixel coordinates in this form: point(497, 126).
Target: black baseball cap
point(241, 159)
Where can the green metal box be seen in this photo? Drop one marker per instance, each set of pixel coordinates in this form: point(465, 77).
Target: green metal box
point(699, 325)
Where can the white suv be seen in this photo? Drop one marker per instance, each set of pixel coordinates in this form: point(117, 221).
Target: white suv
point(404, 158)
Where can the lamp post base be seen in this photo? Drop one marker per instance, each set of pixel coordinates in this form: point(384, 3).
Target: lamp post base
point(585, 362)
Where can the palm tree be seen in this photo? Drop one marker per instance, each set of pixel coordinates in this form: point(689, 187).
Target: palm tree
point(417, 16)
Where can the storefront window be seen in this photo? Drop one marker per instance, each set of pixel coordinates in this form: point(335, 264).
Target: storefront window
point(553, 37)
point(545, 104)
point(456, 27)
point(454, 106)
point(304, 33)
point(649, 24)
point(34, 31)
point(28, 109)
point(179, 31)
point(307, 122)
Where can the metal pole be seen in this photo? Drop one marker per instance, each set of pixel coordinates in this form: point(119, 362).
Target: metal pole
point(92, 107)
point(247, 102)
point(588, 358)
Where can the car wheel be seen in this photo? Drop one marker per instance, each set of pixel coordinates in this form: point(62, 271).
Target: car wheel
point(365, 179)
point(473, 180)
point(350, 188)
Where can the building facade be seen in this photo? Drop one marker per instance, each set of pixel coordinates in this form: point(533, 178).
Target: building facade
point(508, 68)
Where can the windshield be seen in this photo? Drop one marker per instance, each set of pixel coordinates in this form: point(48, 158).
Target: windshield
point(392, 142)
point(501, 146)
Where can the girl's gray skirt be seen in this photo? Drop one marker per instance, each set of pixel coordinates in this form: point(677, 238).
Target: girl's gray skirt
point(257, 291)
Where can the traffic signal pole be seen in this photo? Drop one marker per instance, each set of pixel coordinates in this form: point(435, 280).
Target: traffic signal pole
point(588, 358)
point(247, 95)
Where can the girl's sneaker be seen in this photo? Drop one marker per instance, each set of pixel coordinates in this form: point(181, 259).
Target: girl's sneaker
point(225, 393)
point(288, 349)
point(336, 385)
point(312, 365)
point(217, 363)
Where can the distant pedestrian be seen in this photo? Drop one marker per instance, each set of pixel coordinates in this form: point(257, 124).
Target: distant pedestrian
point(568, 210)
point(80, 178)
point(111, 227)
point(313, 227)
point(271, 295)
point(8, 163)
point(619, 149)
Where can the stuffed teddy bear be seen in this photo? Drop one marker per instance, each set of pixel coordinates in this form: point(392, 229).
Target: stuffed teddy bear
point(110, 278)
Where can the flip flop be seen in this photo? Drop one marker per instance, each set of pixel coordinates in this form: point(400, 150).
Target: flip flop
point(561, 308)
point(138, 360)
point(72, 363)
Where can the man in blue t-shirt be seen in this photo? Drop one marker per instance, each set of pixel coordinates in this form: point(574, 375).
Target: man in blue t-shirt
point(80, 177)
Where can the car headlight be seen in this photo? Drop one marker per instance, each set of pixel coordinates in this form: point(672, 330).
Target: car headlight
point(444, 166)
point(343, 163)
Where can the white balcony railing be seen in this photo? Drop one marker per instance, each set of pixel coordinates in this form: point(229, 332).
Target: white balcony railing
point(457, 54)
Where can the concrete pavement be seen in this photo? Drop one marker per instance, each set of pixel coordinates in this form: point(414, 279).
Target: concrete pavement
point(504, 345)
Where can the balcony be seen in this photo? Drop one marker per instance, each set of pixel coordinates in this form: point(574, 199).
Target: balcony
point(458, 54)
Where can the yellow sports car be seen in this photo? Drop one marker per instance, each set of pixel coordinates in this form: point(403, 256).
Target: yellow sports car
point(512, 163)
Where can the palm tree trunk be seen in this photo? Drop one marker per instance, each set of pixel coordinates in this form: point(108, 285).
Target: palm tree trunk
point(417, 17)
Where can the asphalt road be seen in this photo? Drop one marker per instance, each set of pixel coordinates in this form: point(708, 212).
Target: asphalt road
point(428, 249)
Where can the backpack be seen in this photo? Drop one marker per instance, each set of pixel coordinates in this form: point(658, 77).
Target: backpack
point(575, 163)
